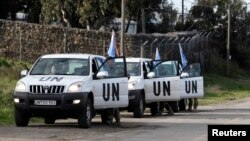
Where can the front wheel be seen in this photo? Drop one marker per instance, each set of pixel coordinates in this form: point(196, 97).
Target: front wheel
point(84, 120)
point(21, 118)
point(139, 107)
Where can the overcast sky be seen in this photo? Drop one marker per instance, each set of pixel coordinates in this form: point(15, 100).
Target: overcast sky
point(189, 3)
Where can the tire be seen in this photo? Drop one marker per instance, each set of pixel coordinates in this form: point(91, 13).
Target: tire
point(182, 104)
point(49, 120)
point(84, 120)
point(174, 106)
point(21, 118)
point(138, 110)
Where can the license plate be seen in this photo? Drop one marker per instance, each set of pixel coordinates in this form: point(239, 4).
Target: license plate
point(44, 102)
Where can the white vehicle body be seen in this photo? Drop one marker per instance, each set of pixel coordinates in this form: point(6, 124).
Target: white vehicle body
point(149, 85)
point(192, 87)
point(191, 84)
point(85, 87)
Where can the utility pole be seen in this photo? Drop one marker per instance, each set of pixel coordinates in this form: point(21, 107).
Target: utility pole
point(228, 39)
point(122, 27)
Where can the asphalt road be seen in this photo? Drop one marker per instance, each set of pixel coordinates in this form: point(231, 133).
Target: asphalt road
point(183, 126)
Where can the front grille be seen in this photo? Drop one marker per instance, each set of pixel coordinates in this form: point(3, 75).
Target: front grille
point(39, 89)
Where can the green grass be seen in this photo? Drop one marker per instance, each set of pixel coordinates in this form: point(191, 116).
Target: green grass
point(9, 74)
point(219, 89)
point(6, 116)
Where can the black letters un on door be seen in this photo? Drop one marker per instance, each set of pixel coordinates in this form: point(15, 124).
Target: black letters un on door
point(165, 86)
point(114, 90)
point(191, 85)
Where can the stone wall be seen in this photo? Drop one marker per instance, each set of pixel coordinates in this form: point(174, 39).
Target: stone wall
point(27, 41)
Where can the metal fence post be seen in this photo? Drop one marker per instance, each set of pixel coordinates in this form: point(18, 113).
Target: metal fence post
point(65, 40)
point(142, 48)
point(103, 48)
point(20, 44)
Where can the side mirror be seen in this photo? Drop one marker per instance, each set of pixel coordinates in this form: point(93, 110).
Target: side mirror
point(24, 73)
point(102, 74)
point(184, 74)
point(151, 75)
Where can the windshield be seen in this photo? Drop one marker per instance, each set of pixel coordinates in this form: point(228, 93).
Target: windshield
point(165, 68)
point(61, 66)
point(134, 68)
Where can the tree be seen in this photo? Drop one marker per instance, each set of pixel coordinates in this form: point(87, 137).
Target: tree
point(34, 10)
point(97, 13)
point(204, 16)
point(168, 16)
point(209, 14)
point(7, 7)
point(63, 12)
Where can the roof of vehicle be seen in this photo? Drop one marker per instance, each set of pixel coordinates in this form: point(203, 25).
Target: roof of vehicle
point(137, 59)
point(70, 55)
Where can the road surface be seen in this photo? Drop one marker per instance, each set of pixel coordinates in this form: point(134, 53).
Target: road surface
point(183, 126)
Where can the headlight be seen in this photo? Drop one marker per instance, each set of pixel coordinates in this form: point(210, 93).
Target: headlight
point(20, 87)
point(131, 86)
point(75, 87)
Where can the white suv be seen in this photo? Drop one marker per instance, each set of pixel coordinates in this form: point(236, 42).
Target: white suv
point(150, 83)
point(76, 86)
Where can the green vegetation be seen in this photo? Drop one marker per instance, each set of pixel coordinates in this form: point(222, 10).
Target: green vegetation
point(9, 74)
point(218, 88)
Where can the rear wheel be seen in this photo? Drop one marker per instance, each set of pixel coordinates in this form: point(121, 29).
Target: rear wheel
point(21, 118)
point(84, 120)
point(139, 107)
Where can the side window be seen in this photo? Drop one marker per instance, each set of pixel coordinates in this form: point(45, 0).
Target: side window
point(115, 67)
point(166, 69)
point(193, 70)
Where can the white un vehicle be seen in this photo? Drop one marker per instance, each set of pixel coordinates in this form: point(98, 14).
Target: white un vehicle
point(61, 86)
point(152, 83)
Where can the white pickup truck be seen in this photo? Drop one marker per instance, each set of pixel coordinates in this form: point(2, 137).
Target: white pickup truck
point(61, 86)
point(152, 83)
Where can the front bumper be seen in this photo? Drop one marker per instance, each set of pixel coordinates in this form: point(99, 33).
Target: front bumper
point(64, 104)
